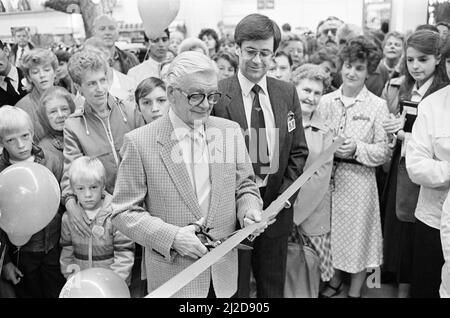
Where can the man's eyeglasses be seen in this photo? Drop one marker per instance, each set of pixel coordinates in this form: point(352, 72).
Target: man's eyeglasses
point(197, 98)
point(251, 53)
point(164, 39)
point(327, 31)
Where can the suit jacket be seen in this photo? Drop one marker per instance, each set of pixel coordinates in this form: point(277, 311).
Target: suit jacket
point(292, 147)
point(153, 172)
point(14, 49)
point(8, 99)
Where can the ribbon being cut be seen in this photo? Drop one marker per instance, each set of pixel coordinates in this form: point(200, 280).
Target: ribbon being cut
point(172, 286)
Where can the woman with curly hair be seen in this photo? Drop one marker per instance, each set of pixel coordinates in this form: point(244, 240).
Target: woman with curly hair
point(356, 114)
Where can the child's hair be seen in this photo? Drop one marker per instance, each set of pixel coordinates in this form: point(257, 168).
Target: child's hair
point(146, 87)
point(227, 57)
point(87, 167)
point(12, 119)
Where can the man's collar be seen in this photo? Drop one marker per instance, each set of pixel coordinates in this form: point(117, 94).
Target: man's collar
point(247, 85)
point(181, 129)
point(13, 74)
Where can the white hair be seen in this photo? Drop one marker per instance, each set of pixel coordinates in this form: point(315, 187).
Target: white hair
point(187, 63)
point(103, 17)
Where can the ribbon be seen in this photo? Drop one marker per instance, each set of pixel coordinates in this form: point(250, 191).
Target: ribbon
point(183, 278)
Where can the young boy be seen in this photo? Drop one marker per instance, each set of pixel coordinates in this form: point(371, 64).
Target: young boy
point(33, 268)
point(106, 247)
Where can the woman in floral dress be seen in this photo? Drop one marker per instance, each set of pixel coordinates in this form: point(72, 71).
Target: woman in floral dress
point(358, 115)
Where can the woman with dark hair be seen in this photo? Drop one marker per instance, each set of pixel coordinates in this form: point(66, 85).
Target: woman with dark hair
point(151, 99)
point(357, 115)
point(328, 59)
point(62, 74)
point(227, 65)
point(281, 68)
point(211, 39)
point(56, 105)
point(424, 75)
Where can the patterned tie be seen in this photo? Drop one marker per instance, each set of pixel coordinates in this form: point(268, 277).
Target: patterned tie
point(258, 137)
point(200, 171)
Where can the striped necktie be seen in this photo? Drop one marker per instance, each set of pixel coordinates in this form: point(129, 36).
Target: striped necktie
point(200, 171)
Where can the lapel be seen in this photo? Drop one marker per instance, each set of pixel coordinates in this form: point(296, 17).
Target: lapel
point(22, 91)
point(216, 158)
point(177, 171)
point(235, 103)
point(279, 109)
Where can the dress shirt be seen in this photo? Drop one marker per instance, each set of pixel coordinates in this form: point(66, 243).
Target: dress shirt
point(146, 69)
point(14, 76)
point(184, 134)
point(269, 118)
point(19, 54)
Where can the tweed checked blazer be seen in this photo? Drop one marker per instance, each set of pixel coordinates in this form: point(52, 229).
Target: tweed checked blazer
point(153, 174)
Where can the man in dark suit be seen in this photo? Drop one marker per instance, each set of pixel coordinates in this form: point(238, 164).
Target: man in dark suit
point(22, 46)
point(276, 144)
point(11, 88)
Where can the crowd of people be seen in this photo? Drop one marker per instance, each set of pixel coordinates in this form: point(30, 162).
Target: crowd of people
point(109, 126)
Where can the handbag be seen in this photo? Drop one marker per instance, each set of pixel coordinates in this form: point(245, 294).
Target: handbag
point(302, 271)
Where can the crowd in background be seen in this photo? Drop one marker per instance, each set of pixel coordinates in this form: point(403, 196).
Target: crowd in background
point(379, 203)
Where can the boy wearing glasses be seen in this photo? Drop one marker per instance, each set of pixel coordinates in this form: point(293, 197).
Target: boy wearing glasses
point(269, 111)
point(157, 55)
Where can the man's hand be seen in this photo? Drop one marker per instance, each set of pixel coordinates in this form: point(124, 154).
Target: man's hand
point(347, 150)
point(12, 273)
point(254, 216)
point(78, 219)
point(187, 243)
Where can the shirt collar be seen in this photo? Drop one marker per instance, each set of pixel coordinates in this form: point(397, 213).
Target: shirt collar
point(181, 129)
point(423, 89)
point(362, 95)
point(247, 85)
point(13, 75)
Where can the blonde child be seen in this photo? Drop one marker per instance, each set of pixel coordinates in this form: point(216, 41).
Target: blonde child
point(33, 269)
point(106, 247)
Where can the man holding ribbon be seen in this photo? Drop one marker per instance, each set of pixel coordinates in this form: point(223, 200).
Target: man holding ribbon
point(184, 174)
point(269, 111)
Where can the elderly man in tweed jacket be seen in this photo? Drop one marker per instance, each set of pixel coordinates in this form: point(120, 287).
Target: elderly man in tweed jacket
point(184, 168)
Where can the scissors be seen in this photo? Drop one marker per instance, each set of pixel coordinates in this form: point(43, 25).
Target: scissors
point(202, 233)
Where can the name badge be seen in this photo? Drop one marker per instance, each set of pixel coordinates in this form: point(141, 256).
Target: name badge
point(291, 122)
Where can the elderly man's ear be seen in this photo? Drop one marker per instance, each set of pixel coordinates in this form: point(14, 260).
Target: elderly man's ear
point(171, 94)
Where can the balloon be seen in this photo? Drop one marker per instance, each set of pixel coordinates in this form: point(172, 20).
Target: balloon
point(157, 15)
point(95, 283)
point(19, 240)
point(29, 199)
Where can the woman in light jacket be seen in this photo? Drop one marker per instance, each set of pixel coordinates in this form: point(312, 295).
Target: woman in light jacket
point(428, 165)
point(312, 208)
point(424, 75)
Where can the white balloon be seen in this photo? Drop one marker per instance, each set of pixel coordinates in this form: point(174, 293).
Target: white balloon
point(157, 15)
